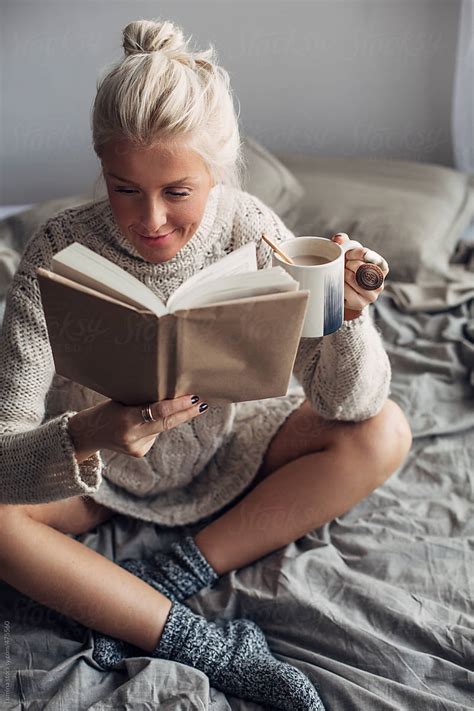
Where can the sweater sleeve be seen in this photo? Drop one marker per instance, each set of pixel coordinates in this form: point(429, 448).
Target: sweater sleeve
point(345, 375)
point(37, 459)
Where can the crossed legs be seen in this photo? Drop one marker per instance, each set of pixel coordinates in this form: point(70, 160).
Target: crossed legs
point(313, 471)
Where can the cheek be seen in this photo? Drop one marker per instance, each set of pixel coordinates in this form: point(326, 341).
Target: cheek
point(187, 214)
point(121, 208)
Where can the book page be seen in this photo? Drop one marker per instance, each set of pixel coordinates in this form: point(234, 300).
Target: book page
point(88, 268)
point(240, 286)
point(240, 261)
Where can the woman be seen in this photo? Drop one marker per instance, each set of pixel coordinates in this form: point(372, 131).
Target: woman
point(165, 131)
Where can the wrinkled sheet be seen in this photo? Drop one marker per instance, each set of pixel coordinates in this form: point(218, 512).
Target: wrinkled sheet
point(455, 288)
point(375, 606)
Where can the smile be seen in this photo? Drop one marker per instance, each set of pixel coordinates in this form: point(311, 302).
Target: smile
point(156, 240)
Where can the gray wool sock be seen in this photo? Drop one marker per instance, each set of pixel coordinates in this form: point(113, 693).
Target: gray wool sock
point(178, 574)
point(234, 655)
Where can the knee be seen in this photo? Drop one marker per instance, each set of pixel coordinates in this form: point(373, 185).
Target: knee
point(9, 513)
point(384, 440)
point(75, 515)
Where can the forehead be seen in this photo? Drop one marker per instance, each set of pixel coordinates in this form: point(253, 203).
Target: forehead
point(166, 151)
point(169, 160)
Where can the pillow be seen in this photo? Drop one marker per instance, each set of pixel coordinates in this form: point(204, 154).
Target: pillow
point(16, 230)
point(268, 179)
point(412, 213)
point(9, 261)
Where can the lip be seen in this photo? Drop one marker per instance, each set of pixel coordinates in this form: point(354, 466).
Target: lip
point(158, 239)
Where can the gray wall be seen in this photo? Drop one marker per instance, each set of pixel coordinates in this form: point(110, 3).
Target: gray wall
point(333, 77)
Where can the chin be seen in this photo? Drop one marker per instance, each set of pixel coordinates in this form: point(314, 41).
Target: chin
point(159, 255)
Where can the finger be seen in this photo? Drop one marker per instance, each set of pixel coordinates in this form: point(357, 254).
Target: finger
point(343, 240)
point(363, 255)
point(353, 266)
point(340, 237)
point(371, 257)
point(358, 251)
point(355, 257)
point(352, 299)
point(166, 409)
point(177, 418)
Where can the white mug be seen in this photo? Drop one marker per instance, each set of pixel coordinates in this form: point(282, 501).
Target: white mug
point(325, 282)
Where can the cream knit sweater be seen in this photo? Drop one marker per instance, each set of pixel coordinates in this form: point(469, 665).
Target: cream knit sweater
point(196, 468)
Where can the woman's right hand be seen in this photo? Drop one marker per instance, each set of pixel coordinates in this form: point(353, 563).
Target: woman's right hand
point(121, 428)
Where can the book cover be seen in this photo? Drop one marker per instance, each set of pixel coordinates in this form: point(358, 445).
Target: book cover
point(231, 351)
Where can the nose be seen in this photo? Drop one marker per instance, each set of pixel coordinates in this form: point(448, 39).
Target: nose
point(153, 215)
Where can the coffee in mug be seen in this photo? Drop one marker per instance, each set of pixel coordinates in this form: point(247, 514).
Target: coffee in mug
point(310, 260)
point(325, 283)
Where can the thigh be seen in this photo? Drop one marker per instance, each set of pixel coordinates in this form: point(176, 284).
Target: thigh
point(75, 515)
point(303, 432)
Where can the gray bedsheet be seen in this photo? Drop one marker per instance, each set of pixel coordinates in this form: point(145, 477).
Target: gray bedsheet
point(376, 606)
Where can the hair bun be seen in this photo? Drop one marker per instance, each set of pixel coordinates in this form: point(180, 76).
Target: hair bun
point(146, 36)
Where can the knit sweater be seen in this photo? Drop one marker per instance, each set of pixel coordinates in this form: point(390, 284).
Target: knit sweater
point(196, 468)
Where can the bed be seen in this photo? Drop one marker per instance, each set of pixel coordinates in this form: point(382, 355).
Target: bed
point(377, 605)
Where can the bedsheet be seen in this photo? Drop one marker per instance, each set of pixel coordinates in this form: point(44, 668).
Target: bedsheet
point(376, 606)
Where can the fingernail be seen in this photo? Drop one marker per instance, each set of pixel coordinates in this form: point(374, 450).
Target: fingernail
point(194, 399)
point(371, 256)
point(203, 406)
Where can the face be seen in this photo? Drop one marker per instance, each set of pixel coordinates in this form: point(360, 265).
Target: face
point(154, 191)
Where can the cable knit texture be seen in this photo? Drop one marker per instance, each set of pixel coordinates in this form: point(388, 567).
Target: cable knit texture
point(192, 470)
point(234, 655)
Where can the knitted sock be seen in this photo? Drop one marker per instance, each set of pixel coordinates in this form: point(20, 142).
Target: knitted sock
point(177, 574)
point(234, 655)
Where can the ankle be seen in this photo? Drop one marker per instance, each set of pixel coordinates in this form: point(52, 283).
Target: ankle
point(212, 552)
point(158, 619)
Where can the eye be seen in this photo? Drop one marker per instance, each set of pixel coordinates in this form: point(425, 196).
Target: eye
point(128, 191)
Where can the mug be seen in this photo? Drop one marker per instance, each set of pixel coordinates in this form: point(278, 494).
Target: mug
point(325, 281)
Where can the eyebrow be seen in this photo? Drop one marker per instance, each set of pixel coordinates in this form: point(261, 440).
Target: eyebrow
point(175, 182)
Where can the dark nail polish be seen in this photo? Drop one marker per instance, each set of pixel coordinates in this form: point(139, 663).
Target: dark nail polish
point(203, 406)
point(194, 399)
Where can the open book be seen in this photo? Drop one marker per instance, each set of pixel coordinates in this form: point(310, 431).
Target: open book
point(229, 333)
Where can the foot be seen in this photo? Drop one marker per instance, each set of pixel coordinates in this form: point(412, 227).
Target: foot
point(234, 655)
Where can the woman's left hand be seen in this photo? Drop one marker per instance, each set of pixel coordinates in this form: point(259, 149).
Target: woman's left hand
point(355, 297)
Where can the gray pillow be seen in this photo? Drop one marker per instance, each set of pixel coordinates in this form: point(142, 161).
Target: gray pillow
point(268, 179)
point(411, 213)
point(16, 230)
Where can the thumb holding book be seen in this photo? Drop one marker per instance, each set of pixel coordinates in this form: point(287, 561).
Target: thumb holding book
point(129, 429)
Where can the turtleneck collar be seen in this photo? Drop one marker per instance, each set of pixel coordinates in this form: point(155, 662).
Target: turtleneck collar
point(193, 251)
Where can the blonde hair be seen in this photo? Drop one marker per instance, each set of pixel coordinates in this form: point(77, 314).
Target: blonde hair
point(162, 91)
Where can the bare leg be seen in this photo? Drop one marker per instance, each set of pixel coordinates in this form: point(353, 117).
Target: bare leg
point(305, 493)
point(67, 576)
